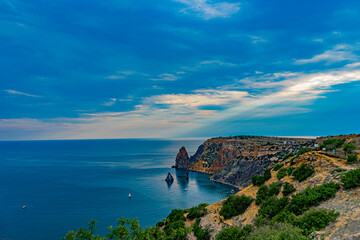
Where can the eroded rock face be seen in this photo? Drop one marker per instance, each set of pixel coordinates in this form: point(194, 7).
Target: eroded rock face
point(234, 160)
point(182, 159)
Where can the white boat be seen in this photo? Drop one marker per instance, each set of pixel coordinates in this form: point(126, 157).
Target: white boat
point(185, 189)
point(129, 195)
point(23, 207)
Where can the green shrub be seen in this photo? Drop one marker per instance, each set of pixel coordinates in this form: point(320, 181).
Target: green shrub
point(290, 171)
point(201, 234)
point(258, 180)
point(277, 231)
point(288, 155)
point(261, 194)
point(303, 172)
point(274, 188)
point(314, 220)
point(351, 179)
point(349, 147)
point(278, 166)
point(196, 212)
point(333, 143)
point(235, 233)
point(352, 158)
point(288, 189)
point(267, 174)
point(265, 192)
point(176, 215)
point(310, 197)
point(271, 206)
point(235, 205)
point(281, 173)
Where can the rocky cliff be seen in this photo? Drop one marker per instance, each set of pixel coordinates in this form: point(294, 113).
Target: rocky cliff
point(326, 169)
point(234, 160)
point(182, 159)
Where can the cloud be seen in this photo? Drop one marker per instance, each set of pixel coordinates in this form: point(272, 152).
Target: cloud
point(13, 92)
point(198, 98)
point(338, 54)
point(166, 77)
point(206, 10)
point(257, 39)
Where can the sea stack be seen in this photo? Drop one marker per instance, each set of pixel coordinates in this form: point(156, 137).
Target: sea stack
point(182, 159)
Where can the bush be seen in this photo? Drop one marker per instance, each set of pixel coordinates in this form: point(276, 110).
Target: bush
point(281, 173)
point(290, 171)
point(352, 158)
point(351, 179)
point(201, 234)
point(288, 189)
point(303, 172)
point(271, 206)
point(235, 205)
point(267, 174)
point(265, 192)
point(258, 180)
point(235, 233)
point(333, 143)
point(274, 188)
point(349, 147)
point(310, 197)
point(288, 155)
point(196, 212)
point(278, 166)
point(261, 194)
point(314, 220)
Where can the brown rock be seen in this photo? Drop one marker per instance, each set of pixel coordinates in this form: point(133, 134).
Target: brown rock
point(182, 159)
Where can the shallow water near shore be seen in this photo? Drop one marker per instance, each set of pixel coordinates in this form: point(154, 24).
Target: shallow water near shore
point(65, 184)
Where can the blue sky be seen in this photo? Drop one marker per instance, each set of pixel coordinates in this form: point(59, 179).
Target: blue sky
point(178, 68)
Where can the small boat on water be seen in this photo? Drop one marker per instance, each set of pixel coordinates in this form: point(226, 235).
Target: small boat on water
point(232, 191)
point(129, 195)
point(23, 207)
point(185, 189)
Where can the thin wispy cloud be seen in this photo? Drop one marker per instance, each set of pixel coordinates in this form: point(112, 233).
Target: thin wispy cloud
point(165, 77)
point(13, 92)
point(338, 54)
point(208, 10)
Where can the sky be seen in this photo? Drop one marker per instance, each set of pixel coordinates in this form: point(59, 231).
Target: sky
point(178, 68)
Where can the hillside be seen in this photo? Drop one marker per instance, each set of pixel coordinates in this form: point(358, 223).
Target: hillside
point(327, 169)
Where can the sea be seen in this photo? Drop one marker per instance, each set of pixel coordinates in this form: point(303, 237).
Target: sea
point(66, 183)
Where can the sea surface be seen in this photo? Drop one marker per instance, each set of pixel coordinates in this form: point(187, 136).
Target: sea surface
point(64, 184)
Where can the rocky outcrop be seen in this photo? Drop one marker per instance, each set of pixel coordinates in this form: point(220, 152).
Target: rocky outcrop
point(182, 159)
point(234, 160)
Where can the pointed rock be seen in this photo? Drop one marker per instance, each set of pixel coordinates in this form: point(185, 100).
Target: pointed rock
point(182, 159)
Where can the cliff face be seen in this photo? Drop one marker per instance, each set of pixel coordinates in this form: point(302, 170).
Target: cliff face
point(234, 160)
point(182, 159)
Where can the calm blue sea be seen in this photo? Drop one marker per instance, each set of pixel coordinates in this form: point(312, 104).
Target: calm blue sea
point(64, 184)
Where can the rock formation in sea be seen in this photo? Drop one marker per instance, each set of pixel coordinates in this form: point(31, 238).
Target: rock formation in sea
point(182, 159)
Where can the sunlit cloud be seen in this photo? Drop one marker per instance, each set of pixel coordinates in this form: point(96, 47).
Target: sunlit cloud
point(338, 54)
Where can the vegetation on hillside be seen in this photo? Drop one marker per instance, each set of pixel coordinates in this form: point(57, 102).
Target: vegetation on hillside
point(235, 205)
